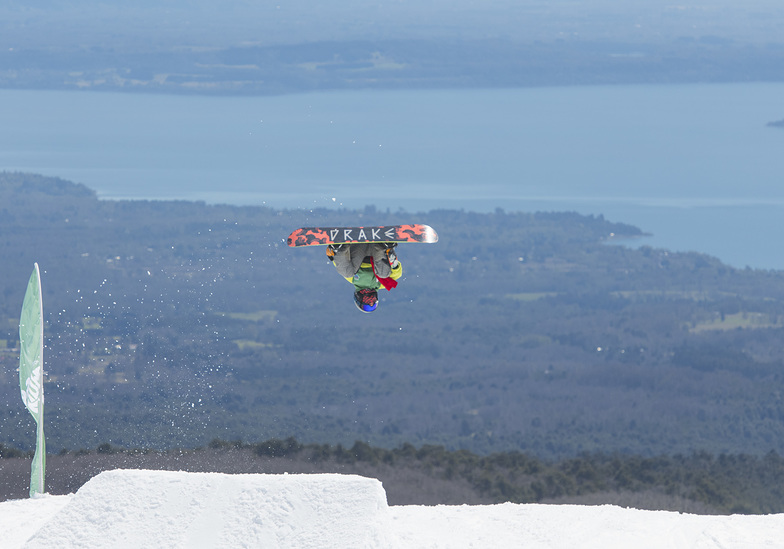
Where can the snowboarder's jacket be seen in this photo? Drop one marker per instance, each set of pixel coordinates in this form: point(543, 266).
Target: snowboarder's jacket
point(365, 277)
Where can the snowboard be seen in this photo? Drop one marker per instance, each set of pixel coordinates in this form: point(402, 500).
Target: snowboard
point(321, 236)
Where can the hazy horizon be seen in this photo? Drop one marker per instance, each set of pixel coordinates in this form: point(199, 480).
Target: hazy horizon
point(86, 23)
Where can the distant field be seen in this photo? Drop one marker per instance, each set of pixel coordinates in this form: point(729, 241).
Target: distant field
point(738, 320)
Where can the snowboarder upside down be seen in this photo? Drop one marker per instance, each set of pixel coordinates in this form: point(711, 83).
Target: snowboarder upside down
point(368, 266)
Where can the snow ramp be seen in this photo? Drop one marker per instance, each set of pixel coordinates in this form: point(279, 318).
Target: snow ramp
point(164, 509)
point(133, 508)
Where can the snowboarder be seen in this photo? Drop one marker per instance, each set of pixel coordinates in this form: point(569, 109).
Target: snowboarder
point(368, 266)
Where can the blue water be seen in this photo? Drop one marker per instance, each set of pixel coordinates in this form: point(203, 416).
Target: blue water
point(694, 165)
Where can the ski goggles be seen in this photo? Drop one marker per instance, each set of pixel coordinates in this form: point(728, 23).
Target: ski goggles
point(368, 307)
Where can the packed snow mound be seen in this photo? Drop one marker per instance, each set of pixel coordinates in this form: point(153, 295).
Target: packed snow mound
point(154, 509)
point(132, 508)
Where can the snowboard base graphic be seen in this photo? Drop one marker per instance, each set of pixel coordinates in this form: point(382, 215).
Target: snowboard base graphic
point(322, 236)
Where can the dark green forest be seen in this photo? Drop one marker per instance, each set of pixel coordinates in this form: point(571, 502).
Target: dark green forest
point(170, 324)
point(429, 475)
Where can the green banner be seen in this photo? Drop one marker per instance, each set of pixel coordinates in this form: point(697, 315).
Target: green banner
point(31, 372)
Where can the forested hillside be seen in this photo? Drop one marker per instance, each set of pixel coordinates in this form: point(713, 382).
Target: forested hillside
point(430, 475)
point(170, 324)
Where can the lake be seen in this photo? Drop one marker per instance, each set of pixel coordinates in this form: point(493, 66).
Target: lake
point(695, 165)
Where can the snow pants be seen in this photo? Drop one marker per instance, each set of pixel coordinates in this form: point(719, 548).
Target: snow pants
point(349, 258)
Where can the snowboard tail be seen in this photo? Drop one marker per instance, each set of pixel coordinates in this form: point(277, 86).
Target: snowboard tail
point(321, 236)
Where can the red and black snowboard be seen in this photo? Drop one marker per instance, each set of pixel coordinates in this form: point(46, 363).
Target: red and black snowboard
point(320, 236)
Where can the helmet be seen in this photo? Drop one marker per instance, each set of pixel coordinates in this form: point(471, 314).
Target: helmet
point(366, 300)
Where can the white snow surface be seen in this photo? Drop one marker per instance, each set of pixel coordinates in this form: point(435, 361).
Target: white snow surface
point(140, 509)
